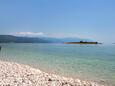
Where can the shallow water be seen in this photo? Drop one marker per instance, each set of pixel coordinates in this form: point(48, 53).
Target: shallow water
point(88, 62)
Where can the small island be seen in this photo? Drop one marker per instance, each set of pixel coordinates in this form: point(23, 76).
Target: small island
point(82, 42)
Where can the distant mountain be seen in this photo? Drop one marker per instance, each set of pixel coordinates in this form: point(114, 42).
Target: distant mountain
point(6, 38)
point(16, 39)
point(57, 40)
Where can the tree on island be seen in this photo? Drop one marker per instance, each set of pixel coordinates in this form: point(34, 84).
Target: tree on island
point(81, 41)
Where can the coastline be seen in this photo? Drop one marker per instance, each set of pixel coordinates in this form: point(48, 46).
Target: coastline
point(14, 74)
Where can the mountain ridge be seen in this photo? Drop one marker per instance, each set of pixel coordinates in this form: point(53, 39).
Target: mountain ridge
point(20, 39)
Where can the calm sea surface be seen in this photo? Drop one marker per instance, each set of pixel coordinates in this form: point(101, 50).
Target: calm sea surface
point(88, 62)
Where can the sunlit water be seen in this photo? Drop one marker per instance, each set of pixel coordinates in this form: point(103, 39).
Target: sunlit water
point(87, 62)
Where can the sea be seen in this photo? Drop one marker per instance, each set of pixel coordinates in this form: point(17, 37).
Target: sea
point(86, 62)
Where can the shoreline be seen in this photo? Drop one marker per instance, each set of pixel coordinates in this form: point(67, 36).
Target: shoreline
point(14, 74)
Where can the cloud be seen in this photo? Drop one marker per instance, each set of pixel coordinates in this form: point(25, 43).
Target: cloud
point(65, 35)
point(29, 34)
point(52, 35)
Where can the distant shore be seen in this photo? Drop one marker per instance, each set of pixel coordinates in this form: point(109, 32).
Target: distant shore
point(14, 74)
point(81, 42)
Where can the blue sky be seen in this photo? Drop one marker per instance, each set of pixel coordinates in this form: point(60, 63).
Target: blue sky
point(93, 19)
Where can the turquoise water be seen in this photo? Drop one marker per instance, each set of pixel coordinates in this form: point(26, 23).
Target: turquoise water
point(88, 62)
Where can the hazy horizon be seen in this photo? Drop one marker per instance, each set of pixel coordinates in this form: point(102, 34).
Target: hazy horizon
point(62, 18)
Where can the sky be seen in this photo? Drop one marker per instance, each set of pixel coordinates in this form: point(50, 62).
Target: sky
point(92, 19)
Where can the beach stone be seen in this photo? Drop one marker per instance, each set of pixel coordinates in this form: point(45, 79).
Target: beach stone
point(14, 74)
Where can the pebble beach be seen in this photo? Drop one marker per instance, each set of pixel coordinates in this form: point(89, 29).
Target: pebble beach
point(14, 74)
